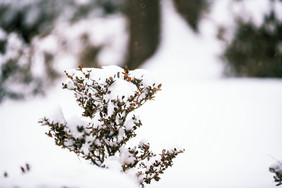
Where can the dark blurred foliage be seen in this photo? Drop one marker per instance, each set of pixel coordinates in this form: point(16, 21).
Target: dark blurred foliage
point(26, 19)
point(38, 17)
point(192, 11)
point(255, 51)
point(111, 6)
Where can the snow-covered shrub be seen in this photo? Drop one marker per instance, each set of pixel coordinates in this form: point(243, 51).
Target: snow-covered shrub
point(38, 38)
point(108, 97)
point(277, 170)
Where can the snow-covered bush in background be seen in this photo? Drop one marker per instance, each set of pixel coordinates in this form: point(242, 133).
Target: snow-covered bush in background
point(16, 78)
point(39, 39)
point(277, 170)
point(108, 97)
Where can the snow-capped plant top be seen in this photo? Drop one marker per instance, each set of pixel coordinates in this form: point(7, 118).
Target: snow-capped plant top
point(101, 91)
point(108, 96)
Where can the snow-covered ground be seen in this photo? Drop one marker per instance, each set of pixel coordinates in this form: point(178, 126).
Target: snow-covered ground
point(230, 128)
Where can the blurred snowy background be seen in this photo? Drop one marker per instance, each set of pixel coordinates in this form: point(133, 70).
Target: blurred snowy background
point(220, 63)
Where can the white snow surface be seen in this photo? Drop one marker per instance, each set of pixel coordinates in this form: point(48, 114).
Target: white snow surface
point(229, 127)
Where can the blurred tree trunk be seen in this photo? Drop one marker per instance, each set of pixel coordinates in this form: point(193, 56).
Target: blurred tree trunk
point(144, 29)
point(191, 11)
